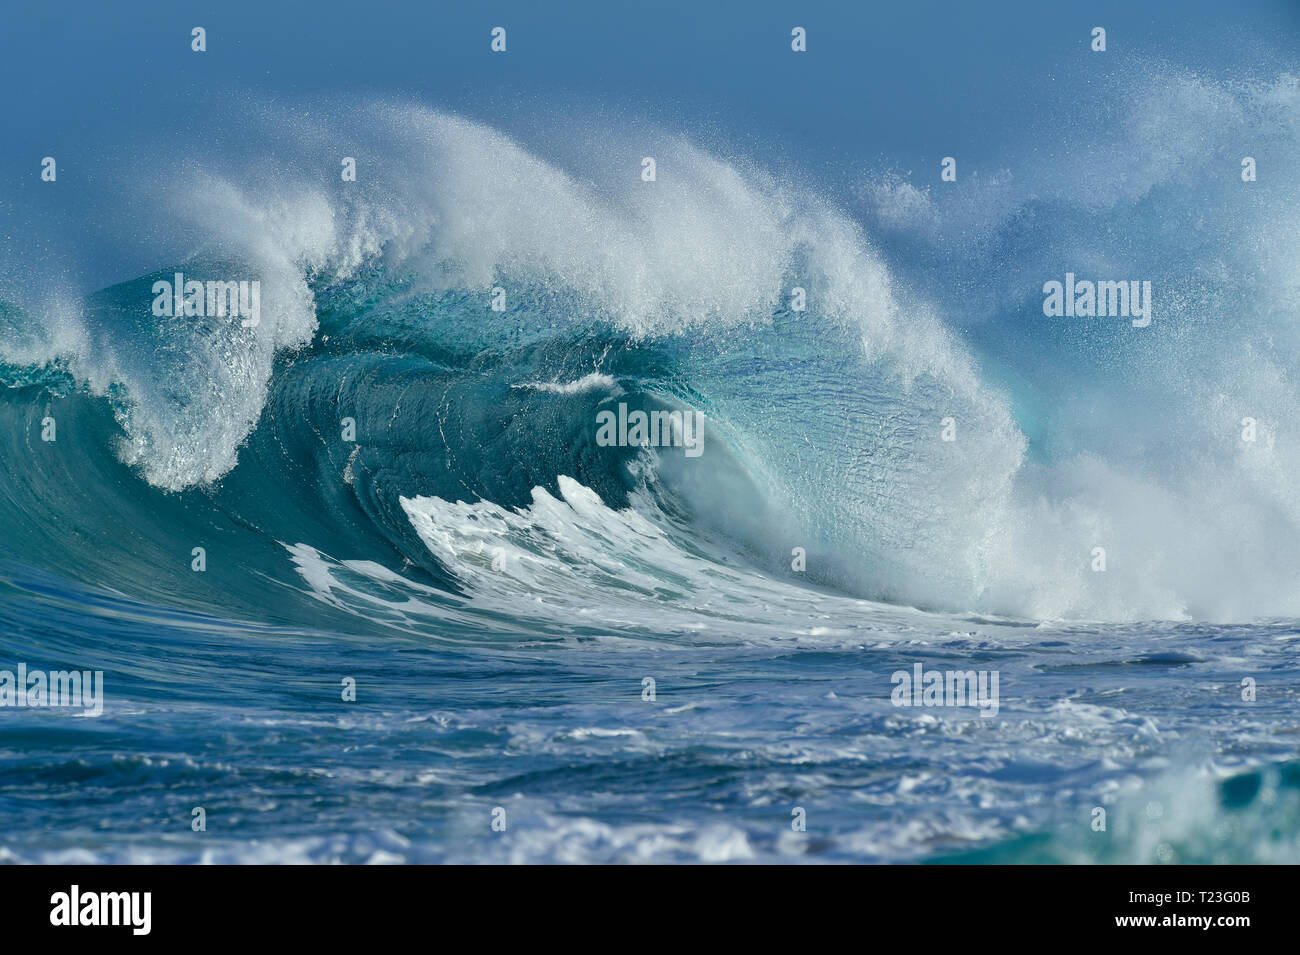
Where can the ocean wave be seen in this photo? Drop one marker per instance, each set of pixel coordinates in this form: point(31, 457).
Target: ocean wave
point(825, 425)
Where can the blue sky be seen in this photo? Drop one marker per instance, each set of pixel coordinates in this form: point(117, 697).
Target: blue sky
point(901, 83)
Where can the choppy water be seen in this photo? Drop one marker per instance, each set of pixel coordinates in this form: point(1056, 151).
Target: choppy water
point(247, 722)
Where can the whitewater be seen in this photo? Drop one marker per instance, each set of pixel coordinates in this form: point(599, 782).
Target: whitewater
point(392, 483)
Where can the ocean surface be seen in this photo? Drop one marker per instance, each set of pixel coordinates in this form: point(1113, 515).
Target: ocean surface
point(434, 619)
